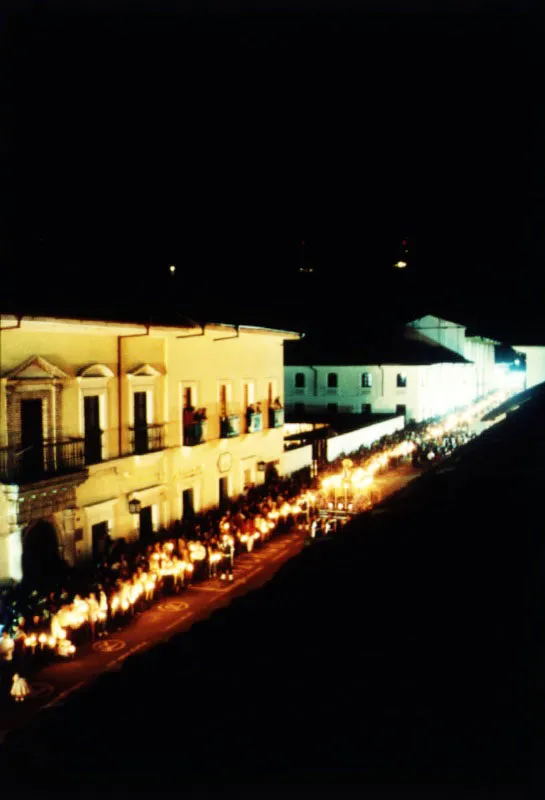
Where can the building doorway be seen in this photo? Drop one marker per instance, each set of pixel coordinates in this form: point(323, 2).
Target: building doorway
point(42, 563)
point(188, 504)
point(224, 493)
point(100, 541)
point(146, 524)
point(401, 409)
point(32, 438)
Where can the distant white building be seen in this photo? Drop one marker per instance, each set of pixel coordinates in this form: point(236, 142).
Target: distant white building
point(535, 363)
point(428, 369)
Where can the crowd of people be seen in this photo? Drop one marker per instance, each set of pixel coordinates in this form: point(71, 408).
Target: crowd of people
point(39, 626)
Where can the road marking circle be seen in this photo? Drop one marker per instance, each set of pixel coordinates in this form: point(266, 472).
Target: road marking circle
point(173, 605)
point(109, 646)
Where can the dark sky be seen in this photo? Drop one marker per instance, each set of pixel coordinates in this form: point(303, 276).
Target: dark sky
point(218, 141)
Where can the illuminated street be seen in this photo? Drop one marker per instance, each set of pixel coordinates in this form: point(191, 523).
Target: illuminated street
point(172, 614)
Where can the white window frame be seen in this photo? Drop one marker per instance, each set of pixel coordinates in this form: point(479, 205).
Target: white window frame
point(144, 379)
point(274, 394)
point(249, 383)
point(193, 388)
point(229, 394)
point(93, 382)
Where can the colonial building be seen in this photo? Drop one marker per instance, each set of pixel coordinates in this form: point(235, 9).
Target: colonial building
point(424, 371)
point(110, 429)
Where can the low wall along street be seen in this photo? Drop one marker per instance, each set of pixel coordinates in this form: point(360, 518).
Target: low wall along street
point(296, 459)
point(347, 443)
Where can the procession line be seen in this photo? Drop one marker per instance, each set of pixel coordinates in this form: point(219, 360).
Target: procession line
point(64, 694)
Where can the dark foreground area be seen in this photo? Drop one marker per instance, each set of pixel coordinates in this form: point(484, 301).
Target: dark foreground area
point(402, 658)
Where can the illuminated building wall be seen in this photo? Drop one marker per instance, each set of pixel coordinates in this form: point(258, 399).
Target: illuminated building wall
point(77, 442)
point(452, 335)
point(420, 392)
point(535, 363)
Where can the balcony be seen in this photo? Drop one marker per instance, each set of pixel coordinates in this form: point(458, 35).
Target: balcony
point(41, 461)
point(254, 422)
point(195, 433)
point(147, 439)
point(276, 417)
point(229, 426)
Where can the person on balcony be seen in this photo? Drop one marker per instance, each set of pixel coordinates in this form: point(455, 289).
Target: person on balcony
point(250, 411)
point(200, 418)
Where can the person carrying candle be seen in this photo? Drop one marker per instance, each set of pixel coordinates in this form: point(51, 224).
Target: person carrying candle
point(20, 688)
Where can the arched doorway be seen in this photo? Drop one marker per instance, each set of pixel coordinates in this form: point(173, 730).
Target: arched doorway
point(41, 560)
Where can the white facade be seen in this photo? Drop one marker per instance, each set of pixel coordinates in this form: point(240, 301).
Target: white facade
point(420, 391)
point(67, 368)
point(535, 363)
point(452, 335)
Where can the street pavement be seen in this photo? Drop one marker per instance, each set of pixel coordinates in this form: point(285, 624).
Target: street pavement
point(53, 684)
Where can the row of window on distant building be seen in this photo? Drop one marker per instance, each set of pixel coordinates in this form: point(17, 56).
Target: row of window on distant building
point(333, 408)
point(333, 380)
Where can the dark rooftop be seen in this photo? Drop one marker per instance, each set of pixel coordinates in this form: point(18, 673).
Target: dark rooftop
point(367, 348)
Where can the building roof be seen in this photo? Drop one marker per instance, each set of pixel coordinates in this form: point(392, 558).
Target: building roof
point(158, 321)
point(365, 351)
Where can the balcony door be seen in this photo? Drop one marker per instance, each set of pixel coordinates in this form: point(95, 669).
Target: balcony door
point(93, 438)
point(141, 422)
point(32, 438)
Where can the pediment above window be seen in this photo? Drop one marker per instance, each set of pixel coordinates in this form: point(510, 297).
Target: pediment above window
point(96, 371)
point(144, 371)
point(36, 368)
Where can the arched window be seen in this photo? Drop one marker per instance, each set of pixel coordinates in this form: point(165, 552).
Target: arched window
point(332, 380)
point(299, 380)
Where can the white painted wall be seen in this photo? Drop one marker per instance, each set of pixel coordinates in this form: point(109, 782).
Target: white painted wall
point(430, 390)
point(535, 363)
point(296, 458)
point(351, 442)
point(448, 334)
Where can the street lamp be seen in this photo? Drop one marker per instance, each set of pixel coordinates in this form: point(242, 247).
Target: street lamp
point(135, 506)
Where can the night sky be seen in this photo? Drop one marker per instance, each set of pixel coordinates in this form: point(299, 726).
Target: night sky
point(219, 141)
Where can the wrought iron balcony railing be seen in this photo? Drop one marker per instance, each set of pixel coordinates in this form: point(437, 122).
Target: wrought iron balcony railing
point(41, 461)
point(276, 417)
point(147, 439)
point(195, 433)
point(254, 422)
point(229, 426)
